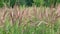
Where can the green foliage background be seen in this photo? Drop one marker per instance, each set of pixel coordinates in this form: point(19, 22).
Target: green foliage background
point(28, 2)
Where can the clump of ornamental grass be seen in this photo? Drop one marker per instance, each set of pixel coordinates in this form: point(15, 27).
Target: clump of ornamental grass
point(31, 20)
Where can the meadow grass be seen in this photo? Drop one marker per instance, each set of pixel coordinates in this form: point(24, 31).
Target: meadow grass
point(31, 20)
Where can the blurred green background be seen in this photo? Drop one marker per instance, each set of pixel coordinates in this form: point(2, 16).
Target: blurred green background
point(11, 3)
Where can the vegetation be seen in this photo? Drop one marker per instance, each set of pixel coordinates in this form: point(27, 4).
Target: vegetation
point(29, 2)
point(30, 17)
point(30, 21)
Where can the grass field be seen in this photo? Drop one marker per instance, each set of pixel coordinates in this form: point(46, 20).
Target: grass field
point(30, 20)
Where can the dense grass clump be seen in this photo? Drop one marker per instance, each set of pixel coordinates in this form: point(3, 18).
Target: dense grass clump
point(31, 20)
